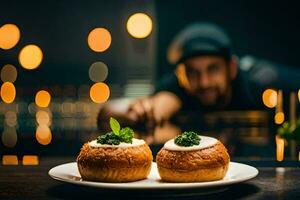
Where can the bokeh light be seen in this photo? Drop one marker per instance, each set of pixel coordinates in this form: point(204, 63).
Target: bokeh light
point(10, 118)
point(139, 25)
point(30, 56)
point(43, 118)
point(8, 92)
point(9, 36)
point(42, 98)
point(279, 118)
point(279, 148)
point(299, 95)
point(99, 39)
point(9, 73)
point(269, 98)
point(9, 137)
point(99, 92)
point(43, 134)
point(10, 160)
point(98, 72)
point(180, 72)
point(30, 160)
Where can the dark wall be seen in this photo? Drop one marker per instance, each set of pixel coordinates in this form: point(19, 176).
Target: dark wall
point(265, 29)
point(61, 28)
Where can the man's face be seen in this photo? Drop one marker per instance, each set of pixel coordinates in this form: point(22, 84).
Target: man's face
point(209, 79)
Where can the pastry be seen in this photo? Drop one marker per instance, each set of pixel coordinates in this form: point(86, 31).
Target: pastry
point(192, 158)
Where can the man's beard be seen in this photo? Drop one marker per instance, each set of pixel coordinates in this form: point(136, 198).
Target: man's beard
point(219, 102)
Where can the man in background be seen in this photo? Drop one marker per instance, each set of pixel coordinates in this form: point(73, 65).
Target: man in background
point(206, 79)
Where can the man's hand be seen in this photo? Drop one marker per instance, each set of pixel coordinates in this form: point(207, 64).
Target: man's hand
point(153, 111)
point(141, 111)
point(145, 113)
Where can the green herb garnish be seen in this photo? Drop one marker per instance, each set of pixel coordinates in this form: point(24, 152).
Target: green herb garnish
point(114, 125)
point(117, 135)
point(187, 139)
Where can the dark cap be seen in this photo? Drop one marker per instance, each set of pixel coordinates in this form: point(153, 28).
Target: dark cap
point(199, 39)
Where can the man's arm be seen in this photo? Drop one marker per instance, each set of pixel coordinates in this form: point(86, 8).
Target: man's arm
point(147, 111)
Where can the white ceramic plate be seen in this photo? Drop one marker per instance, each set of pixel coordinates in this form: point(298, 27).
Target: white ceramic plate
point(236, 173)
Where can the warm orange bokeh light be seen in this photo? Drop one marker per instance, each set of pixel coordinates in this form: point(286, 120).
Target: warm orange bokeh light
point(279, 118)
point(43, 134)
point(139, 25)
point(30, 160)
point(42, 98)
point(9, 36)
point(99, 39)
point(182, 77)
point(299, 95)
point(42, 117)
point(8, 92)
point(30, 56)
point(9, 160)
point(279, 148)
point(269, 98)
point(99, 92)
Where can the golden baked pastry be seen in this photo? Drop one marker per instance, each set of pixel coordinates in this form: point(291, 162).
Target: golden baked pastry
point(205, 160)
point(115, 157)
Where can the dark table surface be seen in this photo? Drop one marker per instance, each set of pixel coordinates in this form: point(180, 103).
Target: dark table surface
point(33, 182)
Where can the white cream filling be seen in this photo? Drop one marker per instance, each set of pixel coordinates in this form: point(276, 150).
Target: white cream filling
point(135, 142)
point(204, 143)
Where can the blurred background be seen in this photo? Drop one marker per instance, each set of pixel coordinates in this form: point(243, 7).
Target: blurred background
point(55, 75)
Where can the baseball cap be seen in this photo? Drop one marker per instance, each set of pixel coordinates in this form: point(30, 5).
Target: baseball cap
point(199, 39)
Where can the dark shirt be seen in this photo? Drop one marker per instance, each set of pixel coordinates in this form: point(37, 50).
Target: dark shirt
point(193, 115)
point(241, 97)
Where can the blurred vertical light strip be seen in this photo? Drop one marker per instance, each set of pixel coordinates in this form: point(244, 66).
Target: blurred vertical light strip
point(299, 95)
point(43, 132)
point(279, 114)
point(279, 148)
point(10, 160)
point(30, 160)
point(9, 36)
point(292, 114)
point(293, 121)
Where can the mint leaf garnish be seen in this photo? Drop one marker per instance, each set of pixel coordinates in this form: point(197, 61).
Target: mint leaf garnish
point(117, 135)
point(114, 125)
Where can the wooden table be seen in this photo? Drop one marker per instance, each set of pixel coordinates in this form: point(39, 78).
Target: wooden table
point(33, 182)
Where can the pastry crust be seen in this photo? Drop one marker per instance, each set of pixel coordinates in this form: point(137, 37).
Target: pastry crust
point(207, 164)
point(114, 164)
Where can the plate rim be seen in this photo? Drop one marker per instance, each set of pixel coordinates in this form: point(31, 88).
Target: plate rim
point(162, 185)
